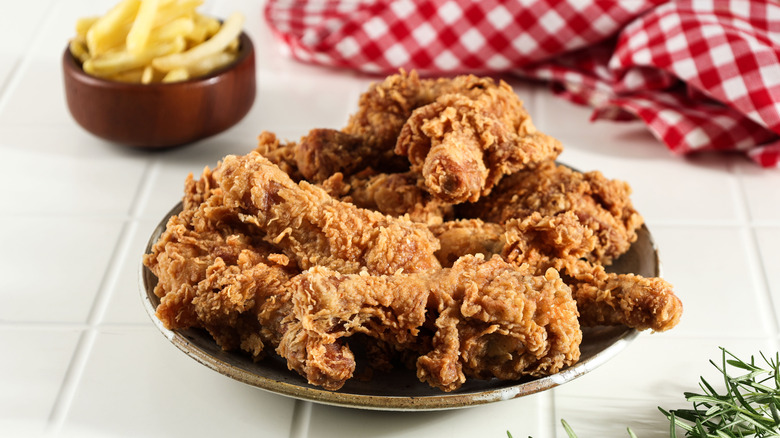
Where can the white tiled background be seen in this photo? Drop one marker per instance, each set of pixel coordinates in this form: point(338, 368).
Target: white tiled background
point(79, 357)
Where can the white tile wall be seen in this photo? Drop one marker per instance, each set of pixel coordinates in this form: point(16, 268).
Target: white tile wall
point(81, 358)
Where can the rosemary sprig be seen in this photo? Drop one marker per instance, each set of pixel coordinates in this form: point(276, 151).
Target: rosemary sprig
point(750, 406)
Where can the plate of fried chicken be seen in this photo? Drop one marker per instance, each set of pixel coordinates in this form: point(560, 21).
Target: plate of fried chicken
point(432, 254)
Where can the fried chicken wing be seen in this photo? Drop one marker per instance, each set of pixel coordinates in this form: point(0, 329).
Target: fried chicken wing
point(385, 106)
point(491, 319)
point(314, 229)
point(562, 242)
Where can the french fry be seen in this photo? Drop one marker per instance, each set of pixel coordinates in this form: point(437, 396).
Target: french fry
point(211, 25)
point(176, 75)
point(142, 26)
point(198, 34)
point(182, 26)
point(116, 62)
point(176, 9)
point(134, 75)
point(229, 31)
point(211, 63)
point(233, 46)
point(111, 29)
point(83, 25)
point(150, 41)
point(78, 48)
point(148, 75)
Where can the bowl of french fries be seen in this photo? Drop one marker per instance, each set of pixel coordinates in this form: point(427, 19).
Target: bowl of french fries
point(156, 73)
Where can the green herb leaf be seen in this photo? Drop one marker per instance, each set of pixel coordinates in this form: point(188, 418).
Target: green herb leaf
point(749, 408)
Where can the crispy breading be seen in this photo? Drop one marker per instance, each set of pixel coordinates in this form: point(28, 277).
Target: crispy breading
point(464, 143)
point(491, 319)
point(601, 204)
point(394, 194)
point(314, 229)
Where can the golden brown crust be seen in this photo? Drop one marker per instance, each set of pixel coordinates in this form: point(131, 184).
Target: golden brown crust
point(394, 194)
point(602, 205)
point(314, 229)
point(491, 320)
point(560, 242)
point(464, 143)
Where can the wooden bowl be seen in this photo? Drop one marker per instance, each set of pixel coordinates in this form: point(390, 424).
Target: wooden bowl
point(162, 115)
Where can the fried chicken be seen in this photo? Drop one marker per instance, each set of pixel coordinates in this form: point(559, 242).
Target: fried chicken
point(603, 298)
point(462, 146)
point(467, 236)
point(490, 319)
point(562, 242)
point(385, 106)
point(281, 154)
point(394, 194)
point(213, 274)
point(460, 135)
point(601, 204)
point(314, 229)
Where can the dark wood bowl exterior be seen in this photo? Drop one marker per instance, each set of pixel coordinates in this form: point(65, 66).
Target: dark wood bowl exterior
point(162, 115)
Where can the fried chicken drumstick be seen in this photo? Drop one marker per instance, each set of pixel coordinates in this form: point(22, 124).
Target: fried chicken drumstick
point(562, 243)
point(215, 274)
point(463, 146)
point(314, 229)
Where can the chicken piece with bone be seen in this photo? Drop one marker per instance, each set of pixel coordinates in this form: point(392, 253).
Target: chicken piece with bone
point(314, 229)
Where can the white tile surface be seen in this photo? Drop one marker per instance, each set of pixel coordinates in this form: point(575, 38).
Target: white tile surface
point(31, 376)
point(124, 305)
point(769, 247)
point(136, 384)
point(653, 371)
point(48, 282)
point(762, 192)
point(709, 269)
point(59, 183)
point(521, 417)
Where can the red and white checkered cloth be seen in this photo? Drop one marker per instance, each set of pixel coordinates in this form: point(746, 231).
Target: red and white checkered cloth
point(704, 75)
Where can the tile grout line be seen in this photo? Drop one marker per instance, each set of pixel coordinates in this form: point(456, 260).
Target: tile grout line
point(15, 74)
point(299, 423)
point(89, 334)
point(757, 268)
point(79, 359)
point(5, 88)
point(72, 377)
point(145, 190)
point(547, 413)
